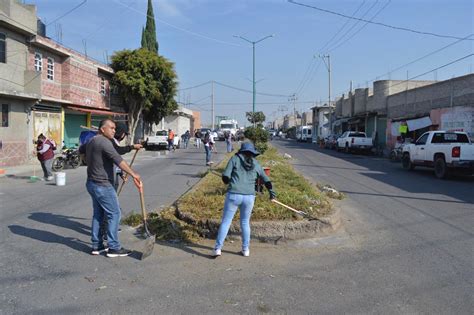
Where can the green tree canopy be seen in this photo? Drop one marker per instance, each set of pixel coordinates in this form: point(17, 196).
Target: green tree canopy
point(255, 117)
point(147, 84)
point(149, 33)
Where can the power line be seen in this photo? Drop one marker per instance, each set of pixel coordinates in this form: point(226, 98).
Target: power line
point(196, 86)
point(179, 28)
point(248, 91)
point(375, 23)
point(356, 23)
point(310, 67)
point(420, 58)
point(347, 22)
point(68, 12)
point(362, 27)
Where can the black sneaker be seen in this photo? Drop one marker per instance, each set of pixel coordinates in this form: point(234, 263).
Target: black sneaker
point(98, 251)
point(122, 252)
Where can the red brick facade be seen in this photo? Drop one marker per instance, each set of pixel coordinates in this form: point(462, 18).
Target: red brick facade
point(77, 79)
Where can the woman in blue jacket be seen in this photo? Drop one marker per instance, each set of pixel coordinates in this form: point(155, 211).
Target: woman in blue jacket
point(240, 174)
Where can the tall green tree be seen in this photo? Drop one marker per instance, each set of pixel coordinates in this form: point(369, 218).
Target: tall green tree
point(149, 33)
point(147, 83)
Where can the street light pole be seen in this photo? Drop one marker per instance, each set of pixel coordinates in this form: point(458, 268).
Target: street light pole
point(253, 81)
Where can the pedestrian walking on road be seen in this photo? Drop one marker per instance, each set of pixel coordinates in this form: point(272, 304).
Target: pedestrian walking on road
point(208, 142)
point(171, 140)
point(45, 153)
point(240, 174)
point(101, 157)
point(185, 139)
point(228, 141)
point(197, 137)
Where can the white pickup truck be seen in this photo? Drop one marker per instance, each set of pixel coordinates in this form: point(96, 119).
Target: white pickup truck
point(445, 151)
point(354, 141)
point(159, 140)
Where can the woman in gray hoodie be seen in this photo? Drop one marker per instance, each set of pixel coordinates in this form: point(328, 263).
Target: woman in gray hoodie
point(240, 174)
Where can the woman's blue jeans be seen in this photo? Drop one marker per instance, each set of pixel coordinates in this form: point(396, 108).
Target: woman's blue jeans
point(232, 202)
point(229, 145)
point(104, 204)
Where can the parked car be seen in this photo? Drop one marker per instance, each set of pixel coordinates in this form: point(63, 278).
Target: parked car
point(354, 141)
point(159, 140)
point(444, 151)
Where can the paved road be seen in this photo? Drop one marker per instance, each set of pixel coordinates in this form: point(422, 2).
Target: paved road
point(406, 248)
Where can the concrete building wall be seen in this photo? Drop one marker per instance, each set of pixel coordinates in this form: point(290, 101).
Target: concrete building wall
point(22, 16)
point(339, 106)
point(347, 110)
point(12, 71)
point(360, 100)
point(16, 139)
point(307, 118)
point(420, 101)
point(384, 88)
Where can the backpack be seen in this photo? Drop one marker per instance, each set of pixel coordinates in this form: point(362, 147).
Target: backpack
point(207, 138)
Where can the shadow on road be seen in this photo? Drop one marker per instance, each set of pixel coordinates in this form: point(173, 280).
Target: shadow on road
point(49, 237)
point(61, 221)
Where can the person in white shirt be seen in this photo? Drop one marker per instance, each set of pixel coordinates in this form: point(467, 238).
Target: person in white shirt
point(208, 144)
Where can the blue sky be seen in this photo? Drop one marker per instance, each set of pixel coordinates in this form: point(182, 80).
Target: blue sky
point(197, 35)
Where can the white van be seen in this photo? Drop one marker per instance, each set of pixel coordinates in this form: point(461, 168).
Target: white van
point(304, 134)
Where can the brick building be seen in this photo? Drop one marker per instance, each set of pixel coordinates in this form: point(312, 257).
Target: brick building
point(45, 87)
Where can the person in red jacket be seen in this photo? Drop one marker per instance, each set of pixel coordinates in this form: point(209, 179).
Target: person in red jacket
point(45, 153)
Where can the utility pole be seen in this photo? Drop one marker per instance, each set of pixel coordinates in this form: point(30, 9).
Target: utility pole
point(253, 54)
point(293, 99)
point(328, 67)
point(212, 102)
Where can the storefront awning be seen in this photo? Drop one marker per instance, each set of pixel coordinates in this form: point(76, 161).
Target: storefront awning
point(96, 111)
point(340, 121)
point(415, 124)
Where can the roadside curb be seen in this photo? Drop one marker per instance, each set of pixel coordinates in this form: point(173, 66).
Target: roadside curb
point(270, 231)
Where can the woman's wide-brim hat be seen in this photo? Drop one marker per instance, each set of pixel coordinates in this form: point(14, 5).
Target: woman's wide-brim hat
point(248, 147)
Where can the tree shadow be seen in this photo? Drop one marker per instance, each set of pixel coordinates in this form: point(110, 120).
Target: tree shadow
point(49, 237)
point(61, 221)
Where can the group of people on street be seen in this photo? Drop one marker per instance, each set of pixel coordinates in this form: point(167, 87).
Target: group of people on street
point(103, 156)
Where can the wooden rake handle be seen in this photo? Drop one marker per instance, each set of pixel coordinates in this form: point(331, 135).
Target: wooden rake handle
point(290, 208)
point(126, 175)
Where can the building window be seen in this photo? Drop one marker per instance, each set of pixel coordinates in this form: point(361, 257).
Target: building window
point(3, 48)
point(5, 111)
point(102, 86)
point(38, 62)
point(50, 69)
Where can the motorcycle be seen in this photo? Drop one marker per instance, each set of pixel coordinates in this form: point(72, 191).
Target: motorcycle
point(69, 156)
point(397, 152)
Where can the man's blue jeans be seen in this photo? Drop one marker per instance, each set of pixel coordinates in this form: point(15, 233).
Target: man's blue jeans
point(105, 204)
point(208, 153)
point(232, 202)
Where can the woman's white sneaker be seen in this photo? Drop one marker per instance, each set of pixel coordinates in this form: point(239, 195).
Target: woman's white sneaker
point(246, 253)
point(216, 253)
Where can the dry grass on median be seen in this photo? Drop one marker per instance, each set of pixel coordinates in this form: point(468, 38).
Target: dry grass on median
point(206, 200)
